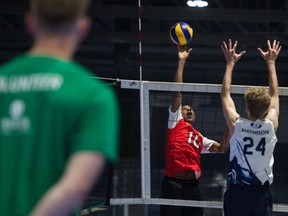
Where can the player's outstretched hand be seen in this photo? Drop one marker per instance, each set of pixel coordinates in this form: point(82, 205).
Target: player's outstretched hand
point(229, 51)
point(183, 53)
point(273, 51)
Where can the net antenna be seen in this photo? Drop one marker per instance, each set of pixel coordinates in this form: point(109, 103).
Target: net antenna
point(145, 183)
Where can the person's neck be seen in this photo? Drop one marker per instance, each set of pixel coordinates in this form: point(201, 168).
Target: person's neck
point(254, 118)
point(56, 47)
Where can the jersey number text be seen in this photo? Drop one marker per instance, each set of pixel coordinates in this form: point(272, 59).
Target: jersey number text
point(195, 141)
point(249, 143)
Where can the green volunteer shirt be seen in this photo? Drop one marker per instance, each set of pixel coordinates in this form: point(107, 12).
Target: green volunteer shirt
point(49, 109)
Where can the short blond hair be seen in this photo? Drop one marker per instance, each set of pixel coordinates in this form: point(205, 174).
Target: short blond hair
point(258, 101)
point(58, 12)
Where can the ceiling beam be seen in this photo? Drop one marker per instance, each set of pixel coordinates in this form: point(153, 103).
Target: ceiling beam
point(184, 13)
point(168, 12)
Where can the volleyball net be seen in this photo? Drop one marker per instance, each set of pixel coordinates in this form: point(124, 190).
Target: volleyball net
point(144, 108)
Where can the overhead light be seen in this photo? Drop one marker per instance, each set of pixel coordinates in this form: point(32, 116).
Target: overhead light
point(197, 3)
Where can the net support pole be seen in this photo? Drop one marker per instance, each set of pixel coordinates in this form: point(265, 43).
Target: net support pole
point(145, 142)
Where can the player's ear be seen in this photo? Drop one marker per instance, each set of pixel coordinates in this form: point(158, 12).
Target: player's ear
point(30, 23)
point(246, 109)
point(83, 26)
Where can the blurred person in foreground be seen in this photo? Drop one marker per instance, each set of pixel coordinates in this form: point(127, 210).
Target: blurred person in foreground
point(57, 125)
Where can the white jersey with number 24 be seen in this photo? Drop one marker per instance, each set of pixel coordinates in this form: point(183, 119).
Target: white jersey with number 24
point(251, 152)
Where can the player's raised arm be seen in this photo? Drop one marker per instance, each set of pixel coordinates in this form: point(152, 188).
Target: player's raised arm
point(182, 57)
point(228, 106)
point(270, 57)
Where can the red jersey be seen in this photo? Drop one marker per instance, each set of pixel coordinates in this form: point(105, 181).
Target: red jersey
point(184, 146)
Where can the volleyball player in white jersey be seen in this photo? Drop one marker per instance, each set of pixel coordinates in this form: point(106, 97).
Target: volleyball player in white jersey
point(253, 139)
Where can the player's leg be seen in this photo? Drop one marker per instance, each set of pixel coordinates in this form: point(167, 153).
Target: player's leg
point(166, 210)
point(238, 202)
point(170, 190)
point(263, 203)
point(193, 192)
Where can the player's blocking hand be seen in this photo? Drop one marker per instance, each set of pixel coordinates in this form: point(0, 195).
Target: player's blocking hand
point(229, 51)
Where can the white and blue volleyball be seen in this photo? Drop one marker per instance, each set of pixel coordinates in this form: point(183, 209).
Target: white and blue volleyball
point(181, 33)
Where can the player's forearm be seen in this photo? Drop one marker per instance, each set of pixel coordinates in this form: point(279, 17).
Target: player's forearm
point(273, 89)
point(179, 73)
point(273, 81)
point(59, 201)
point(227, 80)
point(177, 96)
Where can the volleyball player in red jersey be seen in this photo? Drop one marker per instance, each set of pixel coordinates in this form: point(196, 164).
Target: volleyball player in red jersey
point(183, 149)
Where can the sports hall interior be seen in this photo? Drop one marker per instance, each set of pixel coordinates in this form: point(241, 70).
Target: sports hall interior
point(111, 51)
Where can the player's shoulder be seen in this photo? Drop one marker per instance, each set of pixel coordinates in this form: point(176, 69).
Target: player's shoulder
point(75, 69)
point(241, 120)
point(268, 123)
point(81, 75)
point(91, 82)
point(258, 124)
point(196, 131)
point(13, 62)
point(267, 120)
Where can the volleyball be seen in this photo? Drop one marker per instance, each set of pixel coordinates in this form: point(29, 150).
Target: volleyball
point(181, 33)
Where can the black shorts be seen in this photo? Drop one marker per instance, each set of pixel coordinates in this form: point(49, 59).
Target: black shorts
point(240, 200)
point(173, 188)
